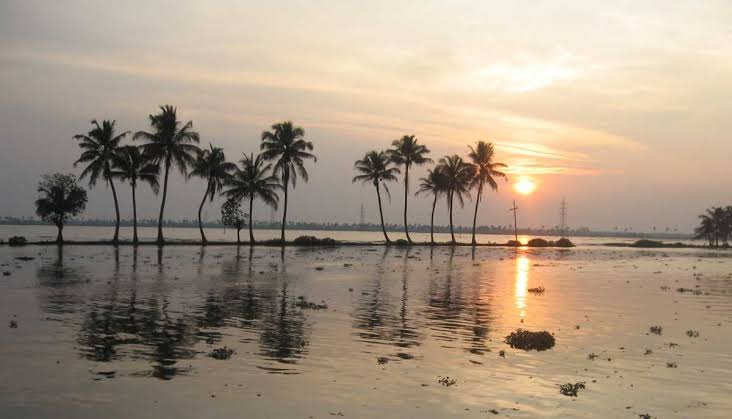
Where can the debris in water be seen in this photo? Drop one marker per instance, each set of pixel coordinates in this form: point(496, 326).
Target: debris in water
point(447, 381)
point(382, 360)
point(304, 304)
point(692, 333)
point(13, 324)
point(592, 356)
point(671, 365)
point(656, 330)
point(537, 290)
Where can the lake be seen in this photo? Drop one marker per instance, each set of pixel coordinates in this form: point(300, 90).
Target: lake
point(98, 331)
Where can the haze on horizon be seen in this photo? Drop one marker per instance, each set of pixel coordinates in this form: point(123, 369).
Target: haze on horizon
point(622, 108)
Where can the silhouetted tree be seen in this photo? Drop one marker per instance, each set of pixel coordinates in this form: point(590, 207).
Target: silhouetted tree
point(232, 216)
point(169, 143)
point(61, 198)
point(405, 152)
point(211, 165)
point(286, 144)
point(458, 176)
point(130, 165)
point(485, 170)
point(99, 146)
point(715, 226)
point(435, 183)
point(374, 168)
point(253, 181)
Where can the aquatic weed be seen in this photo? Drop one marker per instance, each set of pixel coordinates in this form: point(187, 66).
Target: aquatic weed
point(570, 389)
point(447, 381)
point(656, 330)
point(527, 340)
point(692, 333)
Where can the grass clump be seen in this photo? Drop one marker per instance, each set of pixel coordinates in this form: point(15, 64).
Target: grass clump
point(570, 389)
point(526, 340)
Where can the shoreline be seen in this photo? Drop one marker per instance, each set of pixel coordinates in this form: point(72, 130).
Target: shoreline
point(354, 244)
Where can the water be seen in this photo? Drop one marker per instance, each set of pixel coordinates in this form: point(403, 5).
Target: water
point(86, 233)
point(125, 332)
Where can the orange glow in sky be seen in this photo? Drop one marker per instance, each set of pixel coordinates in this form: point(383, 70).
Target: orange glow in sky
point(525, 186)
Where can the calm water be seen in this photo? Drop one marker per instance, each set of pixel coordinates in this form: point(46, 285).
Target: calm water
point(105, 332)
point(80, 233)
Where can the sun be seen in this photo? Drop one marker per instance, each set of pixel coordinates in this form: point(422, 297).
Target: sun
point(525, 186)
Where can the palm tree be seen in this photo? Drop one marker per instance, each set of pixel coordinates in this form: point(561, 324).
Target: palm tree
point(286, 144)
point(211, 165)
point(485, 170)
point(253, 181)
point(99, 146)
point(405, 152)
point(170, 142)
point(435, 183)
point(130, 165)
point(458, 175)
point(706, 229)
point(374, 168)
point(61, 198)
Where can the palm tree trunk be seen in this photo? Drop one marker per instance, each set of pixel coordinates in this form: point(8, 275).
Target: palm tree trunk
point(406, 194)
point(286, 178)
point(134, 216)
point(238, 240)
point(116, 210)
point(381, 214)
point(452, 233)
point(432, 221)
point(200, 208)
point(161, 240)
point(60, 236)
point(475, 215)
point(251, 216)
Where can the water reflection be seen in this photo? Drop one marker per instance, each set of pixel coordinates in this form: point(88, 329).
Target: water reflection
point(522, 281)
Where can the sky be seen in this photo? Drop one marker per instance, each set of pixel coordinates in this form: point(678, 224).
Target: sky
point(622, 107)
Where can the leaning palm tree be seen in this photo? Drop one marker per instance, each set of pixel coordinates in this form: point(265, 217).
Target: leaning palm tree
point(130, 165)
point(485, 170)
point(286, 144)
point(405, 152)
point(435, 184)
point(169, 143)
point(458, 175)
point(374, 168)
point(211, 166)
point(99, 146)
point(253, 181)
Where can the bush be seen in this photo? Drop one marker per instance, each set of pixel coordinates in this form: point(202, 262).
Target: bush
point(401, 242)
point(513, 243)
point(17, 241)
point(647, 243)
point(538, 243)
point(313, 241)
point(526, 340)
point(564, 242)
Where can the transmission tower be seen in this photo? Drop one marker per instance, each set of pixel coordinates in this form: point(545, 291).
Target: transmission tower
point(563, 218)
point(362, 216)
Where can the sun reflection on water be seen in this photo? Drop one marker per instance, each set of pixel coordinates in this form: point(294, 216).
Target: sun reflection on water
point(522, 282)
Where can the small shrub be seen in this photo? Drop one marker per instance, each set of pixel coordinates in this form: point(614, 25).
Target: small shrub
point(401, 242)
point(645, 243)
point(526, 340)
point(538, 243)
point(564, 242)
point(570, 389)
point(314, 241)
point(17, 241)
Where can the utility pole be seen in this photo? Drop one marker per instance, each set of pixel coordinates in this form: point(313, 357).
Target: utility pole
point(563, 218)
point(515, 227)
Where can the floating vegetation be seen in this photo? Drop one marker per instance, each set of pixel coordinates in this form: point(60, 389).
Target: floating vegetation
point(382, 360)
point(13, 324)
point(526, 340)
point(221, 353)
point(592, 356)
point(447, 381)
point(644, 416)
point(648, 352)
point(537, 290)
point(502, 353)
point(656, 330)
point(671, 365)
point(691, 290)
point(309, 305)
point(692, 333)
point(25, 258)
point(570, 389)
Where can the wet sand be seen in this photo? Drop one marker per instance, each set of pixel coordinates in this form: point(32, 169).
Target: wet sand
point(362, 332)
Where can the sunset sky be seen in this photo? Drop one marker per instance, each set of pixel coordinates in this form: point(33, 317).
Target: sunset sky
point(624, 108)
